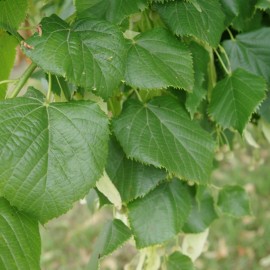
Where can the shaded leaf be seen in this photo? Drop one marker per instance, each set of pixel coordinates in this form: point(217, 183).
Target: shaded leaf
point(202, 213)
point(159, 215)
point(161, 133)
point(131, 178)
point(234, 201)
point(50, 155)
point(183, 18)
point(113, 235)
point(111, 10)
point(250, 51)
point(19, 239)
point(178, 261)
point(156, 59)
point(235, 98)
point(88, 53)
point(200, 60)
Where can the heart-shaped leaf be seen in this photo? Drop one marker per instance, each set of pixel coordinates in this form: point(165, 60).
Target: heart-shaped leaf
point(50, 155)
point(88, 53)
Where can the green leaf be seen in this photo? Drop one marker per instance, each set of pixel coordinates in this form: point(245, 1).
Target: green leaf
point(88, 53)
point(235, 98)
point(7, 55)
point(159, 215)
point(60, 86)
point(111, 10)
point(50, 155)
point(201, 60)
point(265, 109)
point(263, 4)
point(203, 212)
point(19, 239)
point(178, 261)
point(234, 201)
point(131, 178)
point(32, 92)
point(231, 9)
point(250, 52)
point(114, 234)
point(12, 13)
point(161, 133)
point(185, 19)
point(156, 59)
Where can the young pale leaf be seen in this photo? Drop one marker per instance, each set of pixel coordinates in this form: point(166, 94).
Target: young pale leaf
point(178, 261)
point(20, 240)
point(161, 133)
point(12, 13)
point(203, 212)
point(234, 201)
point(7, 55)
point(193, 244)
point(159, 215)
point(156, 59)
point(131, 178)
point(235, 98)
point(50, 155)
point(111, 10)
point(201, 60)
point(183, 18)
point(88, 53)
point(114, 234)
point(250, 52)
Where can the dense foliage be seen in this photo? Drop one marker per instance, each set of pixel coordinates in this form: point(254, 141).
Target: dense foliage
point(140, 97)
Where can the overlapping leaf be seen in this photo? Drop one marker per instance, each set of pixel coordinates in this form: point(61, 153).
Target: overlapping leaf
point(12, 13)
point(235, 98)
point(20, 240)
point(250, 51)
point(114, 234)
point(234, 201)
point(88, 53)
point(156, 59)
point(159, 215)
point(201, 60)
point(178, 261)
point(203, 212)
point(112, 10)
point(204, 21)
point(131, 178)
point(50, 155)
point(161, 133)
point(7, 56)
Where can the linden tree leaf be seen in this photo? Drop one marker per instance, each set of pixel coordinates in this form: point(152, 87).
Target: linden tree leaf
point(201, 60)
point(88, 53)
point(20, 246)
point(7, 55)
point(12, 13)
point(203, 211)
point(263, 4)
point(250, 52)
point(235, 98)
point(113, 235)
point(185, 19)
point(156, 59)
point(159, 215)
point(234, 201)
point(50, 155)
point(178, 261)
point(111, 10)
point(162, 134)
point(131, 178)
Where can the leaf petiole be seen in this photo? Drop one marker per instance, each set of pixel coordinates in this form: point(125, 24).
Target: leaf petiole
point(22, 80)
point(221, 62)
